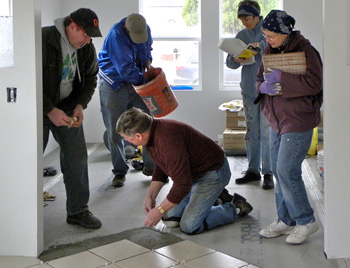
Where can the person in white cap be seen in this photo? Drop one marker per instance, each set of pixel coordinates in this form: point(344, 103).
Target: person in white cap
point(69, 80)
point(124, 57)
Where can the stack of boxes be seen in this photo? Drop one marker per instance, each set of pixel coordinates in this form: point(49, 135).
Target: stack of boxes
point(234, 134)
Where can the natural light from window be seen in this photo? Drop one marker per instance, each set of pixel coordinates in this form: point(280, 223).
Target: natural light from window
point(176, 31)
point(6, 34)
point(175, 28)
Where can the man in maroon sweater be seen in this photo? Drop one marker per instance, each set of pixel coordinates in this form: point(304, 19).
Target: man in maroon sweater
point(197, 166)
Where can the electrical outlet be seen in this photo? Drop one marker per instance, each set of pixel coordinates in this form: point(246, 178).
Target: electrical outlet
point(11, 94)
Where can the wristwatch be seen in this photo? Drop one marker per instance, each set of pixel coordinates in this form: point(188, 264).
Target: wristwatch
point(161, 210)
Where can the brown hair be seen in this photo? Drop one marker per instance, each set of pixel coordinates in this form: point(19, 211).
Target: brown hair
point(134, 121)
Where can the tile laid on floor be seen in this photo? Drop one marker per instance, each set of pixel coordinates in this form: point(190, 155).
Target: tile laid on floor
point(150, 259)
point(81, 260)
point(119, 250)
point(184, 251)
point(43, 265)
point(217, 260)
point(18, 261)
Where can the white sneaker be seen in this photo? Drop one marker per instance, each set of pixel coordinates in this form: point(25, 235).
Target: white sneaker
point(301, 233)
point(172, 222)
point(276, 229)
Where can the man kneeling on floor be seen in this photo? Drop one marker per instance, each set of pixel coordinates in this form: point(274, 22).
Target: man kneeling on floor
point(196, 164)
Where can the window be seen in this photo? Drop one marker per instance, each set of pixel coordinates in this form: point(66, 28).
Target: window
point(175, 28)
point(177, 41)
point(6, 34)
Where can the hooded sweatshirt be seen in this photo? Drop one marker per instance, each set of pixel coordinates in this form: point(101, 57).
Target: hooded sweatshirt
point(298, 108)
point(69, 57)
point(84, 80)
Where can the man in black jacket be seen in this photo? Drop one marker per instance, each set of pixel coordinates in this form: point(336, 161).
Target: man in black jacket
point(69, 81)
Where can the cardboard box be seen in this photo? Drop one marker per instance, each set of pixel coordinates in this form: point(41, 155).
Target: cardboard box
point(233, 139)
point(235, 120)
point(292, 62)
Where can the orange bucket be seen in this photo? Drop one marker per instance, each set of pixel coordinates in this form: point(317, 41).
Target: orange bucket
point(157, 94)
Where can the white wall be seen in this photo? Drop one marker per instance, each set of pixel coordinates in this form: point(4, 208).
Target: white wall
point(21, 207)
point(336, 128)
point(309, 19)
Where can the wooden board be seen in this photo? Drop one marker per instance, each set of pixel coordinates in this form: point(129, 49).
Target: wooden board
point(294, 62)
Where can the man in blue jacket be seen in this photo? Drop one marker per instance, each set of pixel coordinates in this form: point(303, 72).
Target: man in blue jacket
point(258, 130)
point(123, 60)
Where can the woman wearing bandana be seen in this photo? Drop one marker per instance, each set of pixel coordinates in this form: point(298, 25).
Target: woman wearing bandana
point(293, 114)
point(257, 136)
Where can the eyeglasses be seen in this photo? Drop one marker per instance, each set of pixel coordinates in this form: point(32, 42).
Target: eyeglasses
point(269, 37)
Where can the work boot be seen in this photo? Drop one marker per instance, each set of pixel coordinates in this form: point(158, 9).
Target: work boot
point(84, 219)
point(268, 182)
point(248, 177)
point(118, 181)
point(147, 172)
point(224, 197)
point(241, 203)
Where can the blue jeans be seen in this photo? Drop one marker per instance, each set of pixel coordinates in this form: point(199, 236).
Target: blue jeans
point(74, 164)
point(196, 210)
point(257, 138)
point(288, 151)
point(113, 104)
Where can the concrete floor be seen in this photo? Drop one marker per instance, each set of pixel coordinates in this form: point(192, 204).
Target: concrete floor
point(120, 210)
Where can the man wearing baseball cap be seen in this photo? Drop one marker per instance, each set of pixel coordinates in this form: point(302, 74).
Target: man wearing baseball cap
point(69, 80)
point(124, 57)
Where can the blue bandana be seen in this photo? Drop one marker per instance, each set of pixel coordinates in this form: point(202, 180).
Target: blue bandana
point(279, 21)
point(248, 10)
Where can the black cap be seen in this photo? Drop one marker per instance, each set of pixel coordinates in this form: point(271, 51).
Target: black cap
point(87, 20)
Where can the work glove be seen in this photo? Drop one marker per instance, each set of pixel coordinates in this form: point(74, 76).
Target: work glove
point(267, 88)
point(273, 76)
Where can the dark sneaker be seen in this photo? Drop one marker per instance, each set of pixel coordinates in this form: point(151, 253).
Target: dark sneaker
point(84, 219)
point(241, 203)
point(268, 182)
point(224, 197)
point(147, 172)
point(248, 177)
point(118, 181)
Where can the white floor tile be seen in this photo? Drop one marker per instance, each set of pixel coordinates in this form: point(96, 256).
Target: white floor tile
point(81, 260)
point(17, 261)
point(184, 251)
point(217, 260)
point(119, 250)
point(147, 260)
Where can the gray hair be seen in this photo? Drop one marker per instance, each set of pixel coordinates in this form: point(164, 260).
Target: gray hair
point(134, 121)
